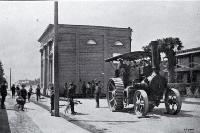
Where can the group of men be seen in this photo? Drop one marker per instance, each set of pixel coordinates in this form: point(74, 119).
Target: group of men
point(21, 93)
point(70, 94)
point(88, 89)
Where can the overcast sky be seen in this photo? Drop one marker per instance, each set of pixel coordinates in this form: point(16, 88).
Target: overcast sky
point(22, 23)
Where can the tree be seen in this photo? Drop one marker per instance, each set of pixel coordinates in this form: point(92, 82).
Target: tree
point(168, 46)
point(1, 73)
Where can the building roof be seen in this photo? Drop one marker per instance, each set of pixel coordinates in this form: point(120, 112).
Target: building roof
point(188, 51)
point(50, 26)
point(130, 56)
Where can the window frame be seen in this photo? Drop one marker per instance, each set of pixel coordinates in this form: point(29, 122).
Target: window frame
point(91, 42)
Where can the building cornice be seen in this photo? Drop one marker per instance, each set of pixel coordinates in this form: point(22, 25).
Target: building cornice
point(188, 51)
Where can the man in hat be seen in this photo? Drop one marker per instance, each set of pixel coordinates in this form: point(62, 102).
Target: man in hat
point(23, 94)
point(13, 90)
point(17, 90)
point(97, 93)
point(52, 94)
point(65, 89)
point(38, 92)
point(71, 92)
point(3, 91)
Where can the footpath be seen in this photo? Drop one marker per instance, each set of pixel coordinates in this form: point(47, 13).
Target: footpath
point(86, 112)
point(4, 124)
point(34, 119)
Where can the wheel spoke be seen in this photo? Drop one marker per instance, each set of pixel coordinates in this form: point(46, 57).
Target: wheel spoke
point(141, 107)
point(173, 107)
point(137, 99)
point(140, 96)
point(112, 100)
point(112, 86)
point(142, 103)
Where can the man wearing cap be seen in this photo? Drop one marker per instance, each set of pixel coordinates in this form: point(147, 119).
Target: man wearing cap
point(97, 93)
point(13, 90)
point(52, 94)
point(3, 91)
point(23, 94)
point(71, 92)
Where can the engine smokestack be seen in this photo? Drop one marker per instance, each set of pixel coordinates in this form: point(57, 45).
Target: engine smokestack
point(155, 56)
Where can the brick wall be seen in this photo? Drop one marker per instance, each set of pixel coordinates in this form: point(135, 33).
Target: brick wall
point(81, 61)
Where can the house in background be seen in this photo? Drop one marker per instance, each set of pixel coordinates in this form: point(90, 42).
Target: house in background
point(188, 65)
point(81, 53)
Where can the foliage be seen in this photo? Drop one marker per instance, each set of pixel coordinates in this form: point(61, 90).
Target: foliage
point(169, 46)
point(1, 73)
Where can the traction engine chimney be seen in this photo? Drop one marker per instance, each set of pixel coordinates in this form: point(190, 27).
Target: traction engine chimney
point(155, 57)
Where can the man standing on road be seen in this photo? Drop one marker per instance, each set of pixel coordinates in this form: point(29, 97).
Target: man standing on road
point(30, 92)
point(52, 94)
point(3, 91)
point(38, 92)
point(92, 88)
point(23, 94)
point(17, 90)
point(84, 89)
point(65, 90)
point(71, 92)
point(97, 93)
point(13, 91)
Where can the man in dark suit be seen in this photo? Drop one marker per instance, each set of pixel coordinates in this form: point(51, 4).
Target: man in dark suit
point(3, 91)
point(71, 93)
point(23, 94)
point(97, 93)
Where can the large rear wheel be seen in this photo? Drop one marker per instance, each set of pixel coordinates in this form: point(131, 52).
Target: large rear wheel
point(115, 90)
point(141, 105)
point(173, 102)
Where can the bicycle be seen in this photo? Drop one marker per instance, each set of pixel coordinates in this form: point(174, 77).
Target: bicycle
point(20, 103)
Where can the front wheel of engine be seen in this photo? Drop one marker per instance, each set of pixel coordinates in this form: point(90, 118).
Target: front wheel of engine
point(173, 102)
point(141, 104)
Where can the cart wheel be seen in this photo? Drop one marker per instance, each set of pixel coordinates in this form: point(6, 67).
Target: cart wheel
point(115, 92)
point(141, 104)
point(173, 102)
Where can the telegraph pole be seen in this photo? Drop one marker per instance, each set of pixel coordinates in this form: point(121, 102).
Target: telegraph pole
point(56, 67)
point(10, 78)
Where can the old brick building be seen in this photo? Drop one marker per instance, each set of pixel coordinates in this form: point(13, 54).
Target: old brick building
point(81, 53)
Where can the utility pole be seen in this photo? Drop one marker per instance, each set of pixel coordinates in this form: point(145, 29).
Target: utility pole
point(10, 78)
point(56, 67)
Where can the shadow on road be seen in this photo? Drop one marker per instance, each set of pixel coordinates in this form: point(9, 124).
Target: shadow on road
point(103, 107)
point(162, 112)
point(127, 110)
point(159, 112)
point(80, 113)
point(104, 121)
point(189, 102)
point(4, 126)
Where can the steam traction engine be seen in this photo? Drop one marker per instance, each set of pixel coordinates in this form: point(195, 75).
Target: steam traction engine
point(138, 81)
